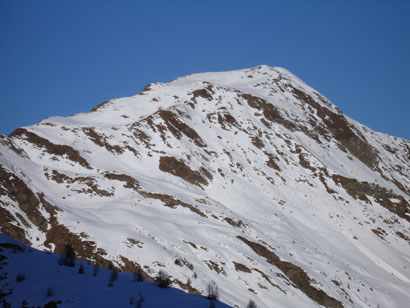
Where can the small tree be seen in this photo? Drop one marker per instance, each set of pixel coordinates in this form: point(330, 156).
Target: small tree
point(140, 275)
point(113, 277)
point(162, 279)
point(49, 292)
point(213, 292)
point(69, 251)
point(67, 258)
point(5, 304)
point(24, 304)
point(20, 277)
point(131, 300)
point(51, 304)
point(95, 270)
point(81, 269)
point(140, 301)
point(137, 276)
point(251, 304)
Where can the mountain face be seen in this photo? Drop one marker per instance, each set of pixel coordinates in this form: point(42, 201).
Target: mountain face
point(249, 178)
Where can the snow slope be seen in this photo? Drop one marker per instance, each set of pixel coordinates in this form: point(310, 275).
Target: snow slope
point(249, 178)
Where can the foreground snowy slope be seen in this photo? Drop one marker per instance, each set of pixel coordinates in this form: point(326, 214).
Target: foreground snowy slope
point(36, 278)
point(249, 178)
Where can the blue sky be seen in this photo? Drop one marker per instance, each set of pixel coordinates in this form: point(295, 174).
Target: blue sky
point(63, 57)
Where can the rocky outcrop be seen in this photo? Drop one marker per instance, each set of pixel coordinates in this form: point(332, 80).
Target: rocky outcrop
point(296, 275)
point(178, 168)
point(51, 148)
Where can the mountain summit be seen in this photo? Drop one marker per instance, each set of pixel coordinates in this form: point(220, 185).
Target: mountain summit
point(250, 179)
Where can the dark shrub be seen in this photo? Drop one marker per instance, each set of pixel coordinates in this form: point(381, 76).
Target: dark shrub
point(162, 279)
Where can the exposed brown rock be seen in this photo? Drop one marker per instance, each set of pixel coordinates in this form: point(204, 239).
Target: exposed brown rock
point(184, 262)
point(168, 200)
point(302, 160)
point(85, 250)
point(101, 141)
point(50, 208)
point(361, 190)
point(256, 141)
point(401, 186)
point(328, 189)
point(271, 161)
point(177, 128)
point(187, 287)
point(146, 89)
point(27, 201)
point(51, 148)
point(295, 274)
point(403, 236)
point(270, 112)
point(215, 267)
point(380, 232)
point(21, 219)
point(206, 173)
point(224, 118)
point(130, 182)
point(268, 280)
point(234, 223)
point(100, 106)
point(178, 168)
point(204, 93)
point(192, 244)
point(90, 182)
point(171, 202)
point(266, 123)
point(134, 267)
point(337, 124)
point(8, 226)
point(241, 267)
point(134, 241)
point(141, 136)
point(17, 190)
point(8, 142)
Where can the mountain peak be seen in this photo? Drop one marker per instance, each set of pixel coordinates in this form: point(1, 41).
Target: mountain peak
point(235, 77)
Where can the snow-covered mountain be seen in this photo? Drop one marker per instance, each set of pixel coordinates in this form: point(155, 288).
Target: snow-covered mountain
point(249, 178)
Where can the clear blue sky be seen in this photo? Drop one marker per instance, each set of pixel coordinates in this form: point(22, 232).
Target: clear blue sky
point(63, 57)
